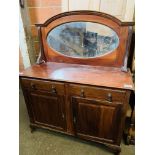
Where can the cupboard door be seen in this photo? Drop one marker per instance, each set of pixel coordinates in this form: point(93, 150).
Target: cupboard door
point(48, 110)
point(96, 120)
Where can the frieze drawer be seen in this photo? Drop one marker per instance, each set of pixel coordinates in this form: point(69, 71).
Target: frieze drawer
point(50, 86)
point(97, 92)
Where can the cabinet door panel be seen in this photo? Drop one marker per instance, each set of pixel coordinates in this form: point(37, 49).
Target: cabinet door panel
point(48, 110)
point(96, 120)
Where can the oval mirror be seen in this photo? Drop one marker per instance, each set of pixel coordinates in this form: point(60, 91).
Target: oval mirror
point(83, 39)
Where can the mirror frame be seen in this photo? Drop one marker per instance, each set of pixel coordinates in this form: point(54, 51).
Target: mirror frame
point(117, 58)
point(93, 29)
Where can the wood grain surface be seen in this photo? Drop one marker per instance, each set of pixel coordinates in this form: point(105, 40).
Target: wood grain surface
point(83, 74)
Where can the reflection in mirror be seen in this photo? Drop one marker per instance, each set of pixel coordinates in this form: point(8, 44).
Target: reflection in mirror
point(83, 39)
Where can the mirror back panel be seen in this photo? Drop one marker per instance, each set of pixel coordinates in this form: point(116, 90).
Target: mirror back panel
point(85, 37)
point(82, 39)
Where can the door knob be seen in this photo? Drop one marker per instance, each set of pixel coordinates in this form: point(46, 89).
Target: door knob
point(74, 120)
point(63, 116)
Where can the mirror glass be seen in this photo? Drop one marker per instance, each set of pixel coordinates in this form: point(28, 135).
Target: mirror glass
point(83, 39)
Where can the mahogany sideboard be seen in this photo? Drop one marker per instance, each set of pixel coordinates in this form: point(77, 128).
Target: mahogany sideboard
point(83, 97)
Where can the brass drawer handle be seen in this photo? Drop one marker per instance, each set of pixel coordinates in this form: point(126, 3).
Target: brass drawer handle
point(109, 97)
point(53, 90)
point(33, 86)
point(82, 93)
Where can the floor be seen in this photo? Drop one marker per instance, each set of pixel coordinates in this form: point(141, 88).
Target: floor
point(43, 142)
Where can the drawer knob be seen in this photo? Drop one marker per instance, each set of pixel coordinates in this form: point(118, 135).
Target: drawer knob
point(109, 97)
point(33, 86)
point(63, 116)
point(74, 120)
point(53, 90)
point(82, 93)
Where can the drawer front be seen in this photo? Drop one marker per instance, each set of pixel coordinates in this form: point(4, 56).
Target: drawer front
point(97, 92)
point(50, 86)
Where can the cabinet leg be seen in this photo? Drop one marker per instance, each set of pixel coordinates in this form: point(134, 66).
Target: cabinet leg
point(32, 128)
point(117, 153)
point(128, 140)
point(116, 149)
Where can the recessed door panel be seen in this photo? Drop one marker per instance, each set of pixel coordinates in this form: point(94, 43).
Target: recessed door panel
point(48, 110)
point(96, 120)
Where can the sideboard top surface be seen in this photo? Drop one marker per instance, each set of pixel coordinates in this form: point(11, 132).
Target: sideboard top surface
point(81, 74)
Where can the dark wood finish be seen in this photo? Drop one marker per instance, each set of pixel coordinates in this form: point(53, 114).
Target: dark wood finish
point(131, 53)
point(129, 132)
point(111, 95)
point(100, 76)
point(41, 101)
point(96, 114)
point(53, 87)
point(86, 98)
point(124, 67)
point(41, 58)
point(96, 120)
point(42, 105)
point(131, 135)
